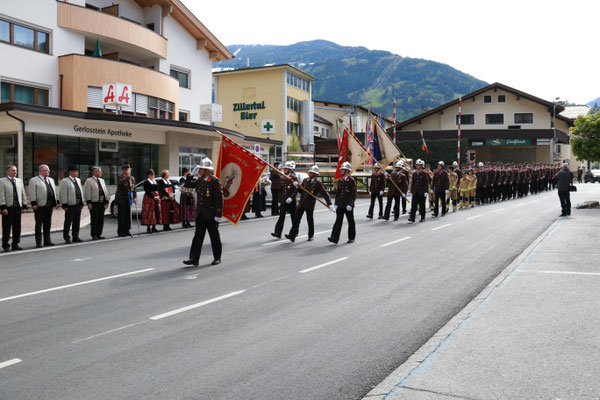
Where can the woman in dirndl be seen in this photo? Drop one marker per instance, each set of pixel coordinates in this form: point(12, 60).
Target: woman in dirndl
point(187, 202)
point(151, 203)
point(168, 206)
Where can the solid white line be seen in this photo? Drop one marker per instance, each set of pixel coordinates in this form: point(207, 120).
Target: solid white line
point(104, 333)
point(287, 241)
point(323, 265)
point(74, 284)
point(476, 216)
point(191, 307)
point(502, 209)
point(567, 273)
point(9, 363)
point(440, 227)
point(395, 241)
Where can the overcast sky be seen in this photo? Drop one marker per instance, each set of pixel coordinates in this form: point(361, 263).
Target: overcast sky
point(546, 48)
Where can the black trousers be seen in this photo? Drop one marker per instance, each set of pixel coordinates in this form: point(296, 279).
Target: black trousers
point(388, 207)
point(309, 219)
point(274, 201)
point(43, 220)
point(283, 210)
point(11, 221)
point(72, 220)
point(479, 195)
point(417, 201)
point(376, 196)
point(212, 227)
point(440, 196)
point(97, 219)
point(339, 219)
point(124, 218)
point(565, 201)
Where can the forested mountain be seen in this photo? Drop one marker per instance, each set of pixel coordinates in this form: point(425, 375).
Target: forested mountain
point(357, 75)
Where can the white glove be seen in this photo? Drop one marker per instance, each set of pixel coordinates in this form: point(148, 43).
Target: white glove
point(426, 194)
point(349, 208)
point(332, 207)
point(381, 192)
point(218, 219)
point(195, 170)
point(295, 183)
point(403, 194)
point(289, 200)
point(447, 191)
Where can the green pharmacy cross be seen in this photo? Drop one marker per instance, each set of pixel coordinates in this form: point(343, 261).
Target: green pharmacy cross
point(268, 126)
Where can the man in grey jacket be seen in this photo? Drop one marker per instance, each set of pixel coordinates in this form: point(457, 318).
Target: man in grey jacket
point(43, 198)
point(72, 200)
point(564, 178)
point(13, 202)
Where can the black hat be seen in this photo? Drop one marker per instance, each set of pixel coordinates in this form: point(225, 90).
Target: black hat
point(125, 166)
point(184, 170)
point(72, 168)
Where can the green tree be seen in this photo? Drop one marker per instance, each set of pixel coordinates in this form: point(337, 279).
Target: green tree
point(294, 146)
point(585, 137)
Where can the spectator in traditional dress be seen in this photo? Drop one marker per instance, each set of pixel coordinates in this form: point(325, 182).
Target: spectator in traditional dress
point(151, 204)
point(168, 205)
point(259, 199)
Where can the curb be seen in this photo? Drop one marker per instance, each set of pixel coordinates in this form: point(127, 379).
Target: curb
point(84, 223)
point(423, 356)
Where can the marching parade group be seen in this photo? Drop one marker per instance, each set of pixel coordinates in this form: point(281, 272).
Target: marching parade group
point(202, 198)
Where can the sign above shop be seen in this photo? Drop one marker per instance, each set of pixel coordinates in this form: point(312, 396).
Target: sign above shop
point(476, 143)
point(211, 112)
point(543, 142)
point(508, 142)
point(267, 126)
point(117, 94)
point(245, 107)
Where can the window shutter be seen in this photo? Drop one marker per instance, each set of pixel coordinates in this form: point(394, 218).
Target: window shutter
point(141, 104)
point(94, 97)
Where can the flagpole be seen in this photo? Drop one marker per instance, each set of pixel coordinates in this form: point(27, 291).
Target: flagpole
point(400, 151)
point(280, 172)
point(459, 121)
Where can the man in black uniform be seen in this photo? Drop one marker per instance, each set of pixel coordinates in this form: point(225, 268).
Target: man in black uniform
point(419, 188)
point(376, 188)
point(441, 186)
point(123, 196)
point(307, 203)
point(396, 178)
point(209, 211)
point(287, 197)
point(344, 205)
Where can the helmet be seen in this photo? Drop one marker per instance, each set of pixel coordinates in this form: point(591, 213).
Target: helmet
point(293, 164)
point(420, 162)
point(441, 163)
point(399, 164)
point(206, 163)
point(346, 165)
point(314, 169)
point(377, 165)
point(289, 165)
point(455, 164)
point(480, 164)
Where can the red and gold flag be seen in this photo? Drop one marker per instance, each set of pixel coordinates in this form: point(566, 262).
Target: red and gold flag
point(239, 172)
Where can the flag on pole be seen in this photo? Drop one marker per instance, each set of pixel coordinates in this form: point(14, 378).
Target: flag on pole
point(424, 145)
point(353, 151)
point(459, 121)
point(339, 135)
point(239, 172)
point(384, 150)
point(369, 137)
point(394, 121)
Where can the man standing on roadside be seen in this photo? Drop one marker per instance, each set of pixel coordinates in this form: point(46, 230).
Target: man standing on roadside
point(564, 179)
point(71, 198)
point(96, 197)
point(13, 202)
point(43, 197)
point(124, 196)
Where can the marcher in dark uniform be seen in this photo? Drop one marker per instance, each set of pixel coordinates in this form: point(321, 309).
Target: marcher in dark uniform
point(306, 204)
point(208, 213)
point(43, 197)
point(344, 205)
point(441, 187)
point(376, 189)
point(396, 178)
point(481, 178)
point(13, 202)
point(96, 197)
point(123, 196)
point(71, 198)
point(419, 188)
point(287, 197)
point(275, 178)
point(187, 203)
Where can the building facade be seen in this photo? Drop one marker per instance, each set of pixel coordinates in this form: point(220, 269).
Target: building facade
point(274, 102)
point(61, 54)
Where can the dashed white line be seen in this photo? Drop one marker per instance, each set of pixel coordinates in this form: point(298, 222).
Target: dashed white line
point(82, 259)
point(475, 216)
point(74, 284)
point(501, 209)
point(440, 227)
point(287, 241)
point(395, 241)
point(323, 265)
point(193, 306)
point(9, 363)
point(266, 283)
point(107, 332)
point(566, 273)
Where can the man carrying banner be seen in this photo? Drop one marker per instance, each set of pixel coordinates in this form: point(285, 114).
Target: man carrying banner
point(209, 211)
point(344, 205)
point(307, 203)
point(419, 188)
point(287, 197)
point(376, 189)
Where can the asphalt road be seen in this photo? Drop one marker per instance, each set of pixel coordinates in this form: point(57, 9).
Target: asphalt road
point(122, 319)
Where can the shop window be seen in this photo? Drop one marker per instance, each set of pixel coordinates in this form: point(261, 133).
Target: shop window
point(45, 151)
point(494, 119)
point(523, 118)
point(8, 150)
point(24, 37)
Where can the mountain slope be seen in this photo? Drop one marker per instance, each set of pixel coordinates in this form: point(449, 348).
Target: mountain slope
point(357, 75)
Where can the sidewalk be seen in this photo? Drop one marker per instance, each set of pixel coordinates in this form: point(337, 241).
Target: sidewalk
point(533, 333)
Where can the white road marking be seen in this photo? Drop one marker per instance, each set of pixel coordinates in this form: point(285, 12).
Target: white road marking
point(395, 241)
point(287, 241)
point(9, 363)
point(323, 265)
point(566, 273)
point(266, 283)
point(519, 204)
point(532, 201)
point(475, 216)
point(64, 246)
point(440, 227)
point(191, 307)
point(107, 332)
point(82, 259)
point(194, 276)
point(74, 284)
point(544, 198)
point(501, 209)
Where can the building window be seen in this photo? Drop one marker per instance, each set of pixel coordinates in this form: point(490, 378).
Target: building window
point(292, 128)
point(297, 82)
point(466, 119)
point(182, 77)
point(501, 98)
point(293, 104)
point(494, 119)
point(523, 118)
point(487, 99)
point(24, 94)
point(184, 116)
point(24, 37)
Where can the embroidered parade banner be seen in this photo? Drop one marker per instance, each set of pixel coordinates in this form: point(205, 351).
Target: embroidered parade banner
point(239, 172)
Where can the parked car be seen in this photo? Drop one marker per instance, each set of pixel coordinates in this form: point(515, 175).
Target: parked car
point(593, 176)
point(137, 209)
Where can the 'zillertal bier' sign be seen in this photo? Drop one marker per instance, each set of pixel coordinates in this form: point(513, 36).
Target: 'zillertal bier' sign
point(117, 94)
point(245, 107)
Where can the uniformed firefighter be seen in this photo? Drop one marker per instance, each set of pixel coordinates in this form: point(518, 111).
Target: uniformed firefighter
point(419, 188)
point(440, 185)
point(306, 204)
point(287, 197)
point(430, 191)
point(344, 205)
point(397, 180)
point(468, 187)
point(453, 179)
point(376, 188)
